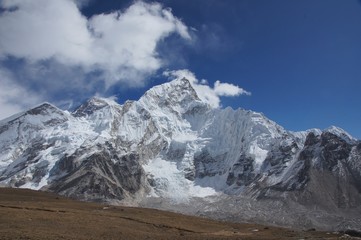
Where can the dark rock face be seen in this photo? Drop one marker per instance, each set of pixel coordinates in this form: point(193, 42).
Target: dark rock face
point(277, 159)
point(102, 176)
point(206, 165)
point(334, 150)
point(353, 165)
point(323, 173)
point(242, 172)
point(329, 154)
point(311, 139)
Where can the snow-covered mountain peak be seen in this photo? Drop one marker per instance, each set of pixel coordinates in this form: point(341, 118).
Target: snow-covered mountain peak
point(99, 101)
point(43, 109)
point(42, 115)
point(175, 88)
point(92, 105)
point(340, 133)
point(178, 95)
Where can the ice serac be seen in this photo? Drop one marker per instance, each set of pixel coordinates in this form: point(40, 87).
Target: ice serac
point(171, 150)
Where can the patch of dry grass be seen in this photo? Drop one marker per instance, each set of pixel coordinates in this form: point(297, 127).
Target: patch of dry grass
point(27, 214)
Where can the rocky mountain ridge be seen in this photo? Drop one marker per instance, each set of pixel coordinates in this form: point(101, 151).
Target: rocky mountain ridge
point(172, 150)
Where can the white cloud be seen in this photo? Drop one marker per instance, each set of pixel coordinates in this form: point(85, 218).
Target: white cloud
point(204, 91)
point(182, 73)
point(228, 89)
point(42, 29)
point(204, 81)
point(14, 98)
point(82, 3)
point(122, 45)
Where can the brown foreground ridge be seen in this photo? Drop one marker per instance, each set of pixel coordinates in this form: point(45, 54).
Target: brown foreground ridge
point(28, 214)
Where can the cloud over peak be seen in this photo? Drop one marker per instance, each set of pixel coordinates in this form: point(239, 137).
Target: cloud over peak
point(228, 89)
point(204, 91)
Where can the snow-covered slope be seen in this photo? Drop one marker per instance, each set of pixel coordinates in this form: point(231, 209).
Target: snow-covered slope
point(171, 146)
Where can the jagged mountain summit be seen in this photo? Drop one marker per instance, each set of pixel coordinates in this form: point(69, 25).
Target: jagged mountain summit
point(172, 150)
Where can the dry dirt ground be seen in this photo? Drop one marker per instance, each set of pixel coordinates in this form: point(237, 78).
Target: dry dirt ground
point(27, 214)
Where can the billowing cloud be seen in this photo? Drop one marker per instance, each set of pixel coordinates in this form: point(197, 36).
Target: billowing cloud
point(121, 44)
point(228, 89)
point(204, 91)
point(14, 98)
point(82, 3)
point(43, 29)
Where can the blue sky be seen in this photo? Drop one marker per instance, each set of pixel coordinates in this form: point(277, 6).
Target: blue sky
point(301, 60)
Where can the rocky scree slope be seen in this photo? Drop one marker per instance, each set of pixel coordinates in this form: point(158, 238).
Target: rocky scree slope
point(171, 150)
